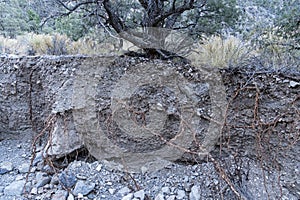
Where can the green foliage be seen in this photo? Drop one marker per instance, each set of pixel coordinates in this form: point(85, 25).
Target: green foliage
point(220, 14)
point(73, 26)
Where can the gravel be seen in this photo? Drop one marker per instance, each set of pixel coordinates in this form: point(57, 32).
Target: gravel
point(95, 180)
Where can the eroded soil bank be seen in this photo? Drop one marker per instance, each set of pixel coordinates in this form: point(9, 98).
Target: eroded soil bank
point(254, 156)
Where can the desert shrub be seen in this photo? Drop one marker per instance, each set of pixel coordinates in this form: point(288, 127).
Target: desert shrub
point(218, 52)
point(275, 50)
point(12, 46)
point(55, 44)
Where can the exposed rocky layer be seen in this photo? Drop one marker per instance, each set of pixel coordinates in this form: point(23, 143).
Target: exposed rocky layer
point(259, 139)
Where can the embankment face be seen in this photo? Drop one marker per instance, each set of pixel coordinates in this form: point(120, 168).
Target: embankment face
point(151, 113)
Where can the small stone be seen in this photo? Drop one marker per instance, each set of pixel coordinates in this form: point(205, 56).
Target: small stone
point(19, 177)
point(42, 180)
point(38, 158)
point(294, 83)
point(172, 197)
point(128, 197)
point(160, 196)
point(83, 187)
point(144, 169)
point(15, 188)
point(111, 191)
point(180, 194)
point(34, 190)
point(60, 195)
point(70, 197)
point(139, 194)
point(109, 183)
point(80, 196)
point(165, 190)
point(67, 180)
point(123, 191)
point(99, 167)
point(24, 168)
point(54, 180)
point(194, 194)
point(5, 167)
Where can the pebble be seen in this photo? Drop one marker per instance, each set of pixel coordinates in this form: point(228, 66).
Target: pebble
point(43, 181)
point(180, 194)
point(24, 168)
point(5, 167)
point(124, 191)
point(83, 187)
point(128, 197)
point(67, 180)
point(111, 191)
point(172, 197)
point(60, 195)
point(294, 84)
point(70, 197)
point(34, 190)
point(194, 194)
point(15, 188)
point(165, 190)
point(139, 194)
point(160, 196)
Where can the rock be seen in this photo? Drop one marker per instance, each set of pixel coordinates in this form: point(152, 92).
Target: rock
point(60, 195)
point(67, 180)
point(5, 167)
point(111, 191)
point(165, 190)
point(160, 196)
point(38, 158)
point(294, 84)
point(139, 194)
point(83, 187)
point(43, 181)
point(24, 168)
point(70, 197)
point(180, 194)
point(172, 197)
point(34, 190)
point(15, 188)
point(128, 197)
point(62, 143)
point(194, 194)
point(123, 191)
point(54, 180)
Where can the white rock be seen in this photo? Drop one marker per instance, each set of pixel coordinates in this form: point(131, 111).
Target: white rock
point(128, 197)
point(165, 190)
point(123, 191)
point(195, 194)
point(111, 191)
point(24, 168)
point(294, 83)
point(15, 188)
point(160, 196)
point(70, 197)
point(180, 194)
point(6, 167)
point(34, 190)
point(172, 197)
point(140, 194)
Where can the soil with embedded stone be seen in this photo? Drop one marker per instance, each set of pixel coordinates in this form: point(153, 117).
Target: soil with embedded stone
point(256, 156)
point(96, 180)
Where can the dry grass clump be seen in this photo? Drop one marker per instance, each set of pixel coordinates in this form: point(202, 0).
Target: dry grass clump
point(54, 44)
point(277, 51)
point(218, 52)
point(12, 46)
